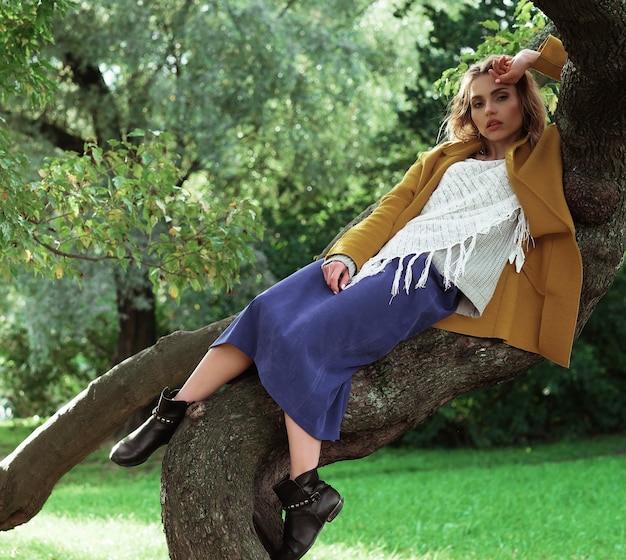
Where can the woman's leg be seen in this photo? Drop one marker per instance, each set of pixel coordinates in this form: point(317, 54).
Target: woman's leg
point(304, 449)
point(220, 365)
point(308, 501)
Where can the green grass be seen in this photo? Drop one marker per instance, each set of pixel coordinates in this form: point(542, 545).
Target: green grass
point(560, 502)
point(565, 501)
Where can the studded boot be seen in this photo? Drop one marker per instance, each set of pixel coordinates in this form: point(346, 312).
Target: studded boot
point(156, 431)
point(308, 503)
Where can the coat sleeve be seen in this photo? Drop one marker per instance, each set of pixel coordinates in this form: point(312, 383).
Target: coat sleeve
point(552, 58)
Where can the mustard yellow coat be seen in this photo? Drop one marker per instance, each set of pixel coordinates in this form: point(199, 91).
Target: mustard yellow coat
point(536, 309)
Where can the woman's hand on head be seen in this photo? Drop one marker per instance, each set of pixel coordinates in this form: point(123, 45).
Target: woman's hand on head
point(336, 275)
point(509, 70)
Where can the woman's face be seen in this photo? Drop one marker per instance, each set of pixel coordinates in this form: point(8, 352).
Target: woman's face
point(496, 111)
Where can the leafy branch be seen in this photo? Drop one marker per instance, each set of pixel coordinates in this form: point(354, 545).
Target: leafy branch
point(126, 204)
point(529, 23)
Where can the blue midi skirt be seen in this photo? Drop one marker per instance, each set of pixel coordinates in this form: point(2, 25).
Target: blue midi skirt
point(307, 342)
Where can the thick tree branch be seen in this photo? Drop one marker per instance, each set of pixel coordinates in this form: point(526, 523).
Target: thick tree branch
point(37, 126)
point(28, 475)
point(436, 366)
point(60, 137)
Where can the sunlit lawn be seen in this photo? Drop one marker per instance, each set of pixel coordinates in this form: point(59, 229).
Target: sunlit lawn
point(559, 502)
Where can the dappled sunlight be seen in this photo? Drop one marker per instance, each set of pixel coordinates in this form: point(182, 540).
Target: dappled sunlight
point(51, 537)
point(365, 552)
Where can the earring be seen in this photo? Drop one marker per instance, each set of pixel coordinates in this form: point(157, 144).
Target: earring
point(481, 150)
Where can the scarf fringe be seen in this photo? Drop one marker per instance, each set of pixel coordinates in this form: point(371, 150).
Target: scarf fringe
point(522, 240)
point(452, 271)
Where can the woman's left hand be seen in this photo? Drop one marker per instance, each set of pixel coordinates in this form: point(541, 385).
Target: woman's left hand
point(509, 70)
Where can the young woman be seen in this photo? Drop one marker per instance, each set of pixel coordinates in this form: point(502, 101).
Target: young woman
point(476, 239)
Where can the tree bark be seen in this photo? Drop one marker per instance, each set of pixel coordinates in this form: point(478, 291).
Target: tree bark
point(28, 475)
point(591, 118)
point(223, 476)
point(221, 464)
point(421, 375)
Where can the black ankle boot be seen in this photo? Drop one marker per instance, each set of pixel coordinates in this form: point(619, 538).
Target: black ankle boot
point(156, 431)
point(309, 503)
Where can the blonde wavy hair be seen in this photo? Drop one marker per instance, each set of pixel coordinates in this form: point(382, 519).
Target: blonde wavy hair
point(459, 125)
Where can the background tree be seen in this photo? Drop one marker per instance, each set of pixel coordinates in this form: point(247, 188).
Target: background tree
point(429, 370)
point(276, 104)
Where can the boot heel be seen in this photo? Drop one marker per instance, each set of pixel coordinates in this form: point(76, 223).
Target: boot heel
point(336, 510)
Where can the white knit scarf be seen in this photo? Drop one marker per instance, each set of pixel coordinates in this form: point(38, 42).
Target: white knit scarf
point(473, 197)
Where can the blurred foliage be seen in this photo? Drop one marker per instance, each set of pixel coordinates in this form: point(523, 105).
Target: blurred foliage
point(289, 118)
point(25, 27)
point(275, 103)
point(51, 350)
point(246, 105)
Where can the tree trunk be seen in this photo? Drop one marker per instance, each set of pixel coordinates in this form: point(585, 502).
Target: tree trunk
point(137, 320)
point(591, 118)
point(136, 314)
point(221, 464)
point(224, 476)
point(209, 473)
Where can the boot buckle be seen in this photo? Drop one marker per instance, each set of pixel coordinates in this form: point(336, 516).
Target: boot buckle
point(162, 419)
point(310, 500)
